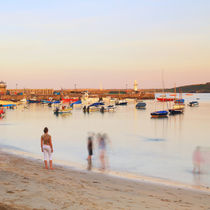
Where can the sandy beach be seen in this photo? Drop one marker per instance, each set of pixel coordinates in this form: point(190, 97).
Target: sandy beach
point(25, 184)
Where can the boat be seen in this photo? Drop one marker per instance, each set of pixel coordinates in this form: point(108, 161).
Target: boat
point(33, 101)
point(159, 114)
point(189, 94)
point(162, 113)
point(54, 102)
point(62, 110)
point(177, 109)
point(76, 103)
point(193, 103)
point(164, 99)
point(121, 103)
point(110, 108)
point(141, 105)
point(93, 107)
point(179, 101)
point(7, 104)
point(69, 100)
point(2, 113)
point(24, 100)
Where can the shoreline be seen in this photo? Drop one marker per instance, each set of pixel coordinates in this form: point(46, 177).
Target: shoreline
point(115, 174)
point(25, 184)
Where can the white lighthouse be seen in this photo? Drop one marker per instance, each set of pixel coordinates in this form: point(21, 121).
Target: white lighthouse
point(135, 86)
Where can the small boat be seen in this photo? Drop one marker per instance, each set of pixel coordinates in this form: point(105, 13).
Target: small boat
point(24, 100)
point(69, 100)
point(189, 94)
point(54, 102)
point(62, 110)
point(141, 105)
point(164, 99)
point(179, 101)
point(2, 112)
point(110, 108)
point(177, 109)
point(159, 114)
point(94, 107)
point(193, 103)
point(33, 101)
point(76, 103)
point(121, 103)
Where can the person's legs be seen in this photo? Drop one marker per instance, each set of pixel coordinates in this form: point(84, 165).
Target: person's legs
point(45, 163)
point(50, 158)
point(45, 158)
point(51, 167)
point(102, 158)
point(89, 159)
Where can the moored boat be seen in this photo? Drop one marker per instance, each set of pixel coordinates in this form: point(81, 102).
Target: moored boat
point(179, 101)
point(193, 103)
point(141, 105)
point(76, 103)
point(164, 99)
point(69, 100)
point(110, 108)
point(121, 103)
point(33, 101)
point(62, 110)
point(159, 114)
point(94, 107)
point(2, 113)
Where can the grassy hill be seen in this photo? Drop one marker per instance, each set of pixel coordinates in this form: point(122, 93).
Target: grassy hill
point(199, 88)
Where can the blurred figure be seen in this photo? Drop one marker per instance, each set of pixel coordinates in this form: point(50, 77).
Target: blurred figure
point(90, 151)
point(47, 148)
point(102, 144)
point(197, 159)
point(84, 109)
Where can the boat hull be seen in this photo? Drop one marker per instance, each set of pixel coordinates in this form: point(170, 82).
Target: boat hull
point(175, 111)
point(159, 114)
point(165, 99)
point(121, 104)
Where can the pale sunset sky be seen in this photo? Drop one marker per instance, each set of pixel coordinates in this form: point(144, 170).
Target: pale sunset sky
point(59, 43)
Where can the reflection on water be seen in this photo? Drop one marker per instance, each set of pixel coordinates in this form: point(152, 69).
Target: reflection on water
point(141, 145)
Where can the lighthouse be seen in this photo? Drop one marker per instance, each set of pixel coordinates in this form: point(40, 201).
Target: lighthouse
point(135, 86)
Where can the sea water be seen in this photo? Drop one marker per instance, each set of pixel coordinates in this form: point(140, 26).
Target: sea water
point(138, 144)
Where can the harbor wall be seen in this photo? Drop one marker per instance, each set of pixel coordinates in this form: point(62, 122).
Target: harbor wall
point(44, 94)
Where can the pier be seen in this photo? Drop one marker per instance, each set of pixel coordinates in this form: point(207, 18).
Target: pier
point(44, 94)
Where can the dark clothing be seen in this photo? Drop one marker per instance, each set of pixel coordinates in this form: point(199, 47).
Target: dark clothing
point(90, 146)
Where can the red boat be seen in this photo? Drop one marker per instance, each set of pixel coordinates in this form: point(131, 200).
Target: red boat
point(165, 99)
point(69, 100)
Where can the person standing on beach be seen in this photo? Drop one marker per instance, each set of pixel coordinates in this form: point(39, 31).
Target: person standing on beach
point(47, 148)
point(197, 160)
point(102, 150)
point(90, 151)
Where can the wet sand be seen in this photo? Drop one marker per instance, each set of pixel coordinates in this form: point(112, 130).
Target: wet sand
point(25, 184)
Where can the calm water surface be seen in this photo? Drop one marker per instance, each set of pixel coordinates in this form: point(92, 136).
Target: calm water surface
point(153, 147)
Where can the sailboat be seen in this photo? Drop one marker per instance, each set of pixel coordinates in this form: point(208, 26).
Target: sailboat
point(161, 113)
point(178, 107)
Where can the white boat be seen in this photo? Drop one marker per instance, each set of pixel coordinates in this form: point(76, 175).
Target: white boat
point(110, 108)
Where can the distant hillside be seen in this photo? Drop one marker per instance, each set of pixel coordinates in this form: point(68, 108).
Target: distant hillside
point(200, 88)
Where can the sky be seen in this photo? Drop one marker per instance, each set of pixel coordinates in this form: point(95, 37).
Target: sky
point(104, 43)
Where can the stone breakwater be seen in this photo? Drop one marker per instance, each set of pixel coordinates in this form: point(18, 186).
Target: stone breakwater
point(79, 93)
